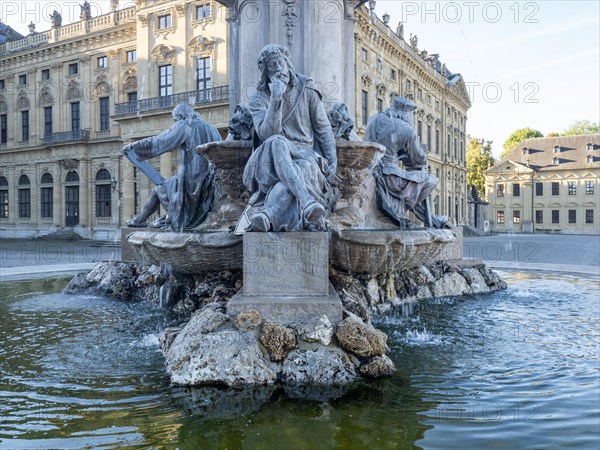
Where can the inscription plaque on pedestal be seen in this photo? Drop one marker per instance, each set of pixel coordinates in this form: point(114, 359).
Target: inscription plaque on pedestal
point(286, 264)
point(286, 278)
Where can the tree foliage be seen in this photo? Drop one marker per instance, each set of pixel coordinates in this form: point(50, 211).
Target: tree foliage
point(479, 159)
point(582, 127)
point(517, 137)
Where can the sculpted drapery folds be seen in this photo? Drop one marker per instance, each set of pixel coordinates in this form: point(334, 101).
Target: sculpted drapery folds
point(291, 175)
point(186, 196)
point(400, 190)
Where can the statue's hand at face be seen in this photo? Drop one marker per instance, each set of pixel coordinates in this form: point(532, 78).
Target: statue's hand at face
point(279, 76)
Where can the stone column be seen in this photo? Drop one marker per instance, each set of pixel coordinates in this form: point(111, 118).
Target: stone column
point(318, 34)
point(84, 193)
point(127, 184)
point(58, 209)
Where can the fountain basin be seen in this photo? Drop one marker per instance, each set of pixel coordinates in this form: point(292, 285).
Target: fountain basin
point(230, 196)
point(188, 253)
point(383, 251)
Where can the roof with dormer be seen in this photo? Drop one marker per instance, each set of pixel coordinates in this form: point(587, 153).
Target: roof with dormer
point(555, 153)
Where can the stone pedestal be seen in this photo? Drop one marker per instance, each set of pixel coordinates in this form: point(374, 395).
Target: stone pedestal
point(286, 278)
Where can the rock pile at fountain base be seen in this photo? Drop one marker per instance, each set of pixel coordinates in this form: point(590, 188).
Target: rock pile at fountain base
point(215, 347)
point(361, 294)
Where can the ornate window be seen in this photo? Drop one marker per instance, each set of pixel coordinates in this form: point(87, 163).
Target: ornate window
point(589, 187)
point(555, 216)
point(104, 114)
point(24, 194)
point(203, 74)
point(516, 217)
point(131, 56)
point(516, 187)
point(555, 188)
point(203, 11)
point(539, 189)
point(48, 121)
point(500, 190)
point(589, 214)
point(25, 126)
point(103, 193)
point(102, 62)
point(165, 82)
point(539, 216)
point(571, 188)
point(500, 217)
point(3, 198)
point(75, 116)
point(3, 128)
point(572, 216)
point(72, 177)
point(46, 194)
point(164, 21)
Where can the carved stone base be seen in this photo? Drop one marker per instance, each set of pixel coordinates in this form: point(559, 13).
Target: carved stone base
point(286, 278)
point(289, 309)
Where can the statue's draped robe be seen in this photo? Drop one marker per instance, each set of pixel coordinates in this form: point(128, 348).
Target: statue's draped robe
point(186, 196)
point(400, 189)
point(305, 135)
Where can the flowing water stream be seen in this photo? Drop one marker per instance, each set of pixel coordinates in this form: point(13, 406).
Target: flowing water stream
point(516, 369)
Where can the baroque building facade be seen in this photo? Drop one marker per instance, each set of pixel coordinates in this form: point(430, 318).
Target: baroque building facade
point(73, 96)
point(547, 185)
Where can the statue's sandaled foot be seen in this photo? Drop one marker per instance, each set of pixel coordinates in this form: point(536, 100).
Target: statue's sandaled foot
point(260, 222)
point(313, 215)
point(132, 223)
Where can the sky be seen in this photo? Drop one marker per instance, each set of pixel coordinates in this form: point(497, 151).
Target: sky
point(525, 63)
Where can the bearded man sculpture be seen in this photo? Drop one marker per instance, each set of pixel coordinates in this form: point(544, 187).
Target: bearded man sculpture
point(291, 175)
point(186, 196)
point(400, 190)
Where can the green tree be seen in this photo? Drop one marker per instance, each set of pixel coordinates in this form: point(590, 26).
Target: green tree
point(519, 136)
point(479, 159)
point(582, 127)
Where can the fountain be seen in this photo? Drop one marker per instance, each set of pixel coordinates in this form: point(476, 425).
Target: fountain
point(298, 232)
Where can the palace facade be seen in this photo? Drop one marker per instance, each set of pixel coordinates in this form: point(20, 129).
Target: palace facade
point(73, 96)
point(547, 185)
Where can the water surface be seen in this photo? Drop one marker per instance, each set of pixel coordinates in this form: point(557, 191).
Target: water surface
point(516, 369)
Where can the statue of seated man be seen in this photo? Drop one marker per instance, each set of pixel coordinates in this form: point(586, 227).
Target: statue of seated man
point(400, 190)
point(186, 196)
point(291, 176)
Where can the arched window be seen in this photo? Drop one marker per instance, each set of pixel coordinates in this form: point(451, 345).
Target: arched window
point(72, 177)
point(3, 198)
point(46, 196)
point(103, 193)
point(24, 194)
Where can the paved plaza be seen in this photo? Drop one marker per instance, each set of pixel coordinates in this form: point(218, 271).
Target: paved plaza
point(29, 258)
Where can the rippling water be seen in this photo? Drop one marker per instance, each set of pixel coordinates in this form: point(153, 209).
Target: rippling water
point(516, 369)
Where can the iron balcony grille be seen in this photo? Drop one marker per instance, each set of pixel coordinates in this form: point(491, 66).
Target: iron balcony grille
point(217, 94)
point(66, 136)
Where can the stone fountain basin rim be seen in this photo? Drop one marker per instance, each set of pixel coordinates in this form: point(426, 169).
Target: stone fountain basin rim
point(386, 237)
point(173, 240)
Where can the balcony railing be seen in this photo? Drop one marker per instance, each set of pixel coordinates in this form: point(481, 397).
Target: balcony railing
point(214, 95)
point(102, 134)
point(66, 136)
